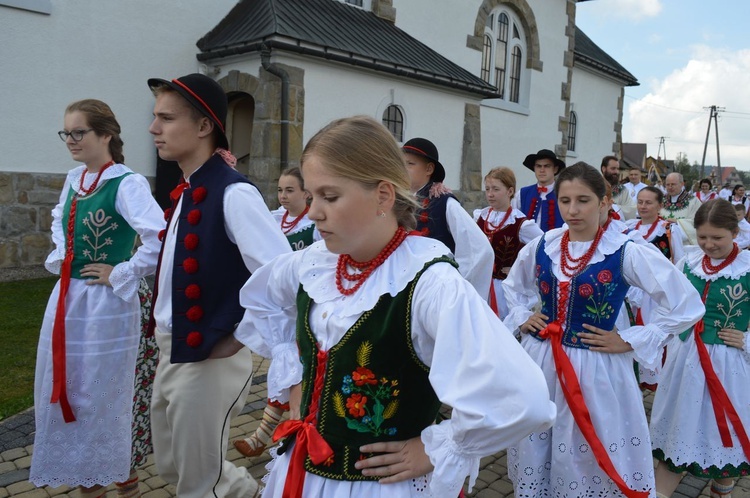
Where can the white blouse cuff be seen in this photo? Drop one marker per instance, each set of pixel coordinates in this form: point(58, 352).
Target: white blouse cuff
point(515, 318)
point(450, 466)
point(647, 342)
point(746, 347)
point(54, 261)
point(284, 371)
point(124, 283)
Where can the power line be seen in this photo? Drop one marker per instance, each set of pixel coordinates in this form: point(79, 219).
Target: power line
point(663, 106)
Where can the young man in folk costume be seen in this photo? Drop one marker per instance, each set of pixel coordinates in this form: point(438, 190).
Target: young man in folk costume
point(219, 230)
point(680, 206)
point(443, 218)
point(538, 202)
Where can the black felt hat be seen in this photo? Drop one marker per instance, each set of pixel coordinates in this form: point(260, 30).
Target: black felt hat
point(543, 154)
point(425, 148)
point(204, 94)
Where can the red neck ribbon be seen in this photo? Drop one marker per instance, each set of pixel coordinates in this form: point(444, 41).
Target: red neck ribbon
point(723, 407)
point(566, 375)
point(59, 392)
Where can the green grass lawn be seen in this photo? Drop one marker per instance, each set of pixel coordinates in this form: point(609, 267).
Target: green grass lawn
point(22, 304)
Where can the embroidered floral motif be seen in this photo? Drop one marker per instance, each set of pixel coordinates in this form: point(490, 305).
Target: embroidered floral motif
point(682, 202)
point(545, 287)
point(598, 306)
point(365, 401)
point(95, 222)
point(734, 295)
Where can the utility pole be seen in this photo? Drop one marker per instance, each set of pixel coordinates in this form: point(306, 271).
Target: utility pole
point(662, 145)
point(713, 116)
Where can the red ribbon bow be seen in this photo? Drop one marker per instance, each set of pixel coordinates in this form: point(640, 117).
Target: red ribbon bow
point(541, 189)
point(308, 442)
point(177, 191)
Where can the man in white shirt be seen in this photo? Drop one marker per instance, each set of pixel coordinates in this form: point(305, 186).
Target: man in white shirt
point(218, 231)
point(635, 184)
point(726, 192)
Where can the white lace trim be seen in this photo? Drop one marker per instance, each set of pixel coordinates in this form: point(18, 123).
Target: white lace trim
point(317, 273)
point(739, 267)
point(114, 171)
point(285, 370)
point(54, 261)
point(124, 283)
point(451, 467)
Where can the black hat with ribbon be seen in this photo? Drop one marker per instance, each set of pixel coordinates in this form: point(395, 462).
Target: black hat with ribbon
point(204, 94)
point(424, 148)
point(543, 154)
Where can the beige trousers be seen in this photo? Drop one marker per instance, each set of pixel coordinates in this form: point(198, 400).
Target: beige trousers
point(191, 408)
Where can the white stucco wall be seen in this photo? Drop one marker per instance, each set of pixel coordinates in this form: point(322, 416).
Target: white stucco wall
point(104, 49)
point(594, 100)
point(335, 90)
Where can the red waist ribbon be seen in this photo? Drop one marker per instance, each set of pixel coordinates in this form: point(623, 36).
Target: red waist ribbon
point(573, 395)
point(59, 393)
point(722, 405)
point(308, 441)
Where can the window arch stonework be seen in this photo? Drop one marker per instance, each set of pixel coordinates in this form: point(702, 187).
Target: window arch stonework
point(525, 14)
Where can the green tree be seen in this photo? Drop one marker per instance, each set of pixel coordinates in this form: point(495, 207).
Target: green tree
point(682, 165)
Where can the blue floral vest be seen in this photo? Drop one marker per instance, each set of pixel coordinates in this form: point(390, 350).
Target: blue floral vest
point(596, 294)
point(528, 194)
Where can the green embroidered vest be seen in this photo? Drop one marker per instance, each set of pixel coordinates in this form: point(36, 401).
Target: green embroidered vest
point(303, 238)
point(728, 306)
point(101, 234)
point(375, 388)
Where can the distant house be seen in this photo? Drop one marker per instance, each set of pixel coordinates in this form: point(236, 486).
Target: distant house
point(728, 175)
point(634, 155)
point(657, 169)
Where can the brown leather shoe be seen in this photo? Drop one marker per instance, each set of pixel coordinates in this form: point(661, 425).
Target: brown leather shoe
point(244, 447)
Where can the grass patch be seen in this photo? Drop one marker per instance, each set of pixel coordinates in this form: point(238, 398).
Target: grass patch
point(23, 303)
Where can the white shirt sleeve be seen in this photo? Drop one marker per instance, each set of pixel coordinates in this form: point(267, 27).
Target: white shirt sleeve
point(498, 394)
point(249, 224)
point(474, 253)
point(678, 305)
point(678, 247)
point(520, 287)
point(54, 260)
point(135, 203)
point(529, 231)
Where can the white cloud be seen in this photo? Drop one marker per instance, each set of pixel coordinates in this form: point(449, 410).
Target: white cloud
point(712, 77)
point(631, 9)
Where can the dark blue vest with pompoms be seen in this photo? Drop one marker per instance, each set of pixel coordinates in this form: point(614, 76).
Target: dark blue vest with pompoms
point(541, 207)
point(596, 294)
point(208, 267)
point(431, 219)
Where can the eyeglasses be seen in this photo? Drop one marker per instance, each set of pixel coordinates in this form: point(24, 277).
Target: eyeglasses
point(76, 135)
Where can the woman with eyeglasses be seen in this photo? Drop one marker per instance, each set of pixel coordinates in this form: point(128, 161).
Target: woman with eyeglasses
point(86, 359)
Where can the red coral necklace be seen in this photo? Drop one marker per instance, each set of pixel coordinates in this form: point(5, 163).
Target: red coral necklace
point(710, 269)
point(571, 266)
point(287, 226)
point(366, 268)
point(493, 229)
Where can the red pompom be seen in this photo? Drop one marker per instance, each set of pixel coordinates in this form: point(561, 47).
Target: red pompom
point(194, 313)
point(190, 265)
point(193, 291)
point(162, 234)
point(199, 195)
point(191, 241)
point(167, 213)
point(194, 339)
point(194, 217)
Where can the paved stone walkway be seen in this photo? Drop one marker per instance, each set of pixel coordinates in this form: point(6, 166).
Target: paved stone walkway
point(16, 446)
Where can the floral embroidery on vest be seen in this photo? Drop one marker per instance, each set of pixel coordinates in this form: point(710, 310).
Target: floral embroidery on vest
point(371, 401)
point(598, 295)
point(735, 295)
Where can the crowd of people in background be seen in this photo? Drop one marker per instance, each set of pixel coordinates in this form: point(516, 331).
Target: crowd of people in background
point(378, 300)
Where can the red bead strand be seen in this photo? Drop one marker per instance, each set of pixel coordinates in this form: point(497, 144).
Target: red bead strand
point(287, 226)
point(571, 266)
point(493, 230)
point(366, 267)
point(710, 269)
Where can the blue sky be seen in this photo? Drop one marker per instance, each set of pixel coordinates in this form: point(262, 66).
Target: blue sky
point(686, 54)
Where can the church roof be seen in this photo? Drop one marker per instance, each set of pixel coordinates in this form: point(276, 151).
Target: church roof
point(334, 31)
point(589, 54)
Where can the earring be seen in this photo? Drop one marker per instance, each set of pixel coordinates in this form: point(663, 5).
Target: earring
point(381, 214)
